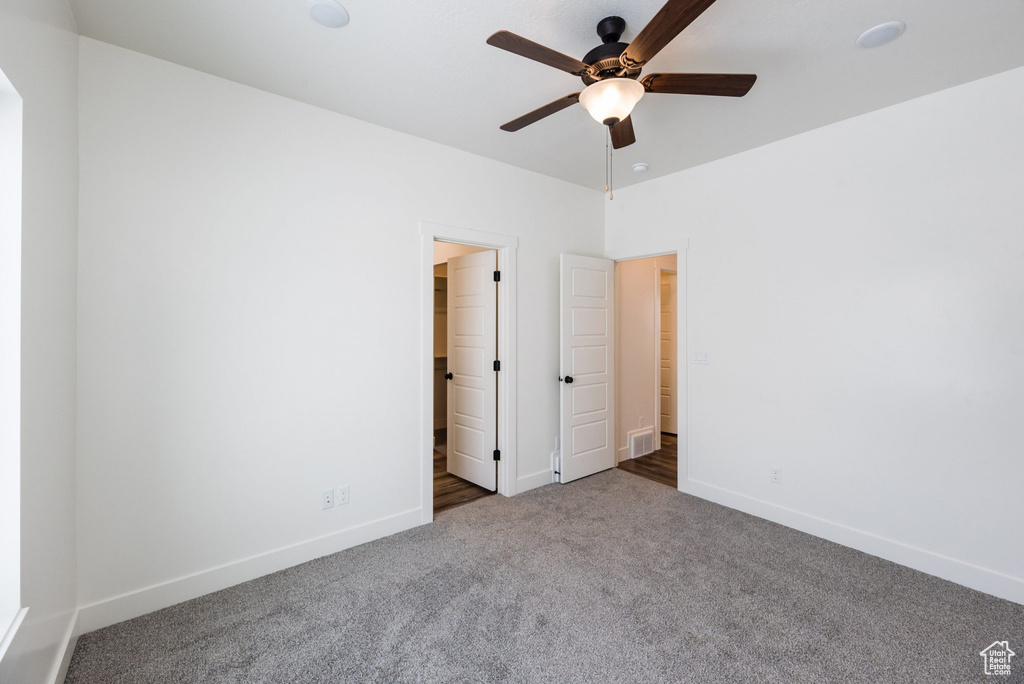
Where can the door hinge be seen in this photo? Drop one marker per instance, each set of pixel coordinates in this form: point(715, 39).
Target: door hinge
point(497, 276)
point(497, 454)
point(497, 365)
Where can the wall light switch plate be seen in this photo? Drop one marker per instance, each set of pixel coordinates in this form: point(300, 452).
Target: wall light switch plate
point(701, 358)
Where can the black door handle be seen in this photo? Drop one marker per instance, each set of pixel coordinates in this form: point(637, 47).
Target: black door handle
point(448, 376)
point(567, 379)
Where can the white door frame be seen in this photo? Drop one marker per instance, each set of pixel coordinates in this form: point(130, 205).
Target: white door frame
point(679, 249)
point(506, 246)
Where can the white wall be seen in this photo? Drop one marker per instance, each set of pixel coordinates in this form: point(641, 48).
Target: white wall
point(636, 363)
point(250, 300)
point(859, 289)
point(39, 54)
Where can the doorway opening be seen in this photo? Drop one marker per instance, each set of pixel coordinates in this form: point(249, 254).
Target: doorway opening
point(499, 369)
point(465, 378)
point(647, 368)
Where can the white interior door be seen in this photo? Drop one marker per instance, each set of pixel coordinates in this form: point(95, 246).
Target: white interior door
point(667, 357)
point(587, 366)
point(473, 383)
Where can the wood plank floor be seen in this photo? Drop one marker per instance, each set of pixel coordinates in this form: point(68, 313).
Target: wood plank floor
point(450, 491)
point(661, 466)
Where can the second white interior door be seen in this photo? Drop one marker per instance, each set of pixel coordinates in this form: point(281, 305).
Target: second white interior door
point(587, 366)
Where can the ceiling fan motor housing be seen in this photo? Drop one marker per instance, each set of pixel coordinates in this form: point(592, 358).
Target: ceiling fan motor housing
point(605, 57)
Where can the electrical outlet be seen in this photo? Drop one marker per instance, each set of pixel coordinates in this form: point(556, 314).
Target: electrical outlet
point(327, 498)
point(342, 497)
point(776, 475)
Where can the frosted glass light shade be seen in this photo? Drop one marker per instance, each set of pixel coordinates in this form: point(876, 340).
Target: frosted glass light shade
point(611, 100)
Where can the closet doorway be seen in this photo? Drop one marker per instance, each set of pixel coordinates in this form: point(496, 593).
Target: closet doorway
point(465, 378)
point(647, 369)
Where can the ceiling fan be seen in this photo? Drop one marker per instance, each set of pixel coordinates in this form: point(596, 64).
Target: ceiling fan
point(611, 70)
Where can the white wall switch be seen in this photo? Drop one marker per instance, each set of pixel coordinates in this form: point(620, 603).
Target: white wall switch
point(701, 357)
point(327, 500)
point(342, 495)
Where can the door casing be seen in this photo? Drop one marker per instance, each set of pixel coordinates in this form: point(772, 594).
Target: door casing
point(506, 246)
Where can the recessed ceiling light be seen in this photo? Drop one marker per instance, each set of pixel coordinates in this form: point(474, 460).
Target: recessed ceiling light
point(881, 34)
point(328, 13)
point(640, 167)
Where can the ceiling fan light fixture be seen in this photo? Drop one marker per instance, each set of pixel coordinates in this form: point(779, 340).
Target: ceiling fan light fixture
point(611, 100)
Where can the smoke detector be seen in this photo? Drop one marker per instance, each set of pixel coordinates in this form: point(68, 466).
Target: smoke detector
point(328, 13)
point(881, 34)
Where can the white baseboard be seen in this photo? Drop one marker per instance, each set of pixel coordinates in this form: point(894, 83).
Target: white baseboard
point(544, 477)
point(133, 604)
point(972, 576)
point(68, 649)
point(622, 454)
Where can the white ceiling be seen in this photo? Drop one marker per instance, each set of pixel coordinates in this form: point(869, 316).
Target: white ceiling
point(424, 68)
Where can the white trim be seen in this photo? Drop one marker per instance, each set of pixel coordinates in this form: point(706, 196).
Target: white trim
point(11, 314)
point(141, 601)
point(539, 479)
point(988, 581)
point(8, 637)
point(506, 246)
point(647, 251)
point(70, 640)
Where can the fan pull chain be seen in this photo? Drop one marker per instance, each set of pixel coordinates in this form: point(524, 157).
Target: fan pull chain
point(607, 140)
point(611, 168)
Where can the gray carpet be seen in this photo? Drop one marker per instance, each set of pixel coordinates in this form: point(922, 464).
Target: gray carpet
point(610, 579)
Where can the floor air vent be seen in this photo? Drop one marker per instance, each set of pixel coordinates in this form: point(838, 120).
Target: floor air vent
point(641, 443)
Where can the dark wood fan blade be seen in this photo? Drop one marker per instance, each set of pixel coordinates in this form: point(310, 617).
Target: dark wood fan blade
point(541, 112)
point(622, 133)
point(537, 52)
point(659, 32)
point(729, 85)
